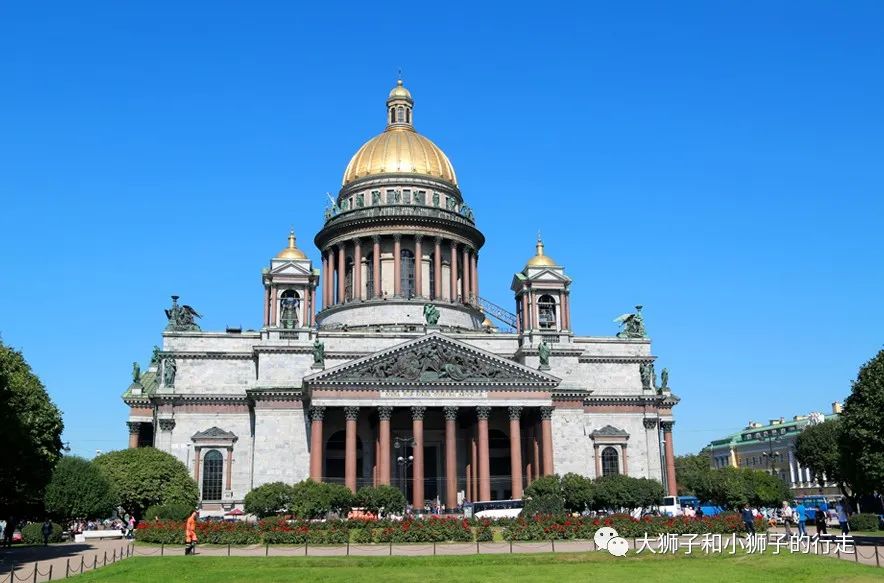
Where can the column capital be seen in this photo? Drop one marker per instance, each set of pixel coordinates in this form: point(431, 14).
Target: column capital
point(650, 422)
point(515, 413)
point(167, 424)
point(417, 413)
point(450, 413)
point(546, 412)
point(384, 413)
point(134, 426)
point(397, 236)
point(483, 412)
point(667, 426)
point(437, 240)
point(351, 413)
point(418, 237)
point(376, 239)
point(357, 241)
point(317, 413)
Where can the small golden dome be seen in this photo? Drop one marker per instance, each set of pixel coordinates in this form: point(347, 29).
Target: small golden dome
point(541, 260)
point(292, 251)
point(399, 92)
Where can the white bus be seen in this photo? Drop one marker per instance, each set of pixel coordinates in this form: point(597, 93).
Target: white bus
point(494, 509)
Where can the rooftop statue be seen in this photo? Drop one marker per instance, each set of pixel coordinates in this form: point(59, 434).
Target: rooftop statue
point(169, 370)
point(431, 313)
point(181, 318)
point(664, 379)
point(543, 351)
point(155, 356)
point(136, 372)
point(646, 369)
point(632, 325)
point(318, 354)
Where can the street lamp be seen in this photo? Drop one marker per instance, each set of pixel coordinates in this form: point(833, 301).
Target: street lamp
point(405, 460)
point(772, 436)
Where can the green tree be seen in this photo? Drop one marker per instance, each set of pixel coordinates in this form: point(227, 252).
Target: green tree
point(544, 496)
point(616, 492)
point(376, 498)
point(269, 499)
point(30, 434)
point(764, 489)
point(691, 470)
point(577, 492)
point(861, 438)
point(316, 499)
point(723, 487)
point(145, 476)
point(817, 448)
point(78, 489)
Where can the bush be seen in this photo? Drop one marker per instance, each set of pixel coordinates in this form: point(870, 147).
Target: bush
point(269, 499)
point(78, 489)
point(544, 496)
point(170, 511)
point(32, 533)
point(360, 535)
point(316, 499)
point(376, 498)
point(866, 522)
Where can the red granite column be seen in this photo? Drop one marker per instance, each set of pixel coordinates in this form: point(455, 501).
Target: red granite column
point(312, 314)
point(397, 265)
point(418, 267)
point(134, 428)
point(267, 306)
point(351, 414)
point(669, 453)
point(625, 464)
point(229, 468)
point(376, 264)
point(451, 457)
point(469, 485)
point(474, 275)
point(357, 269)
point(566, 311)
point(196, 467)
point(273, 304)
point(316, 415)
point(342, 274)
point(437, 268)
point(546, 429)
point(453, 287)
point(484, 455)
point(384, 414)
point(516, 452)
point(330, 278)
point(535, 446)
point(474, 462)
point(526, 313)
point(417, 421)
point(465, 280)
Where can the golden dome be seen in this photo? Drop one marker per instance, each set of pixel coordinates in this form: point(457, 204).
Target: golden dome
point(541, 260)
point(292, 251)
point(399, 92)
point(399, 149)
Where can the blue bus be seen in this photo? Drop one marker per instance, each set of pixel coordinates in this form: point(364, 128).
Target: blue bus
point(693, 502)
point(814, 502)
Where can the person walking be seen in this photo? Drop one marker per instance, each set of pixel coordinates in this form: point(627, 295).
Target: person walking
point(801, 518)
point(190, 534)
point(821, 523)
point(841, 509)
point(748, 519)
point(788, 516)
point(47, 532)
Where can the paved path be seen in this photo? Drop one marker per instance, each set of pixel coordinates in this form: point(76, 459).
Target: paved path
point(58, 559)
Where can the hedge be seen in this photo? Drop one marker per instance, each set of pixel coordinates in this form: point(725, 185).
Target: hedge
point(171, 511)
point(278, 530)
point(866, 522)
point(32, 533)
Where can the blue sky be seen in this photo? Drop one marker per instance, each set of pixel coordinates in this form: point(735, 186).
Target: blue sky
point(720, 163)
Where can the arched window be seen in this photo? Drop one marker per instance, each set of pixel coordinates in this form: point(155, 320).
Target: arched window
point(406, 272)
point(369, 275)
point(546, 311)
point(289, 304)
point(213, 470)
point(432, 276)
point(610, 462)
point(348, 280)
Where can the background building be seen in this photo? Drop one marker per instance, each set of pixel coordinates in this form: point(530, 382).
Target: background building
point(771, 447)
point(385, 351)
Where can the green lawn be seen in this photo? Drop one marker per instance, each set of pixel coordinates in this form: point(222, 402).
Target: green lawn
point(597, 567)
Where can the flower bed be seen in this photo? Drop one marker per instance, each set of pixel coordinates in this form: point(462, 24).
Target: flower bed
point(564, 527)
point(433, 529)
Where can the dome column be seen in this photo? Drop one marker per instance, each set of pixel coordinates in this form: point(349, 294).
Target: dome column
point(437, 268)
point(453, 269)
point(474, 279)
point(397, 265)
point(330, 277)
point(376, 264)
point(418, 266)
point(465, 280)
point(342, 273)
point(357, 269)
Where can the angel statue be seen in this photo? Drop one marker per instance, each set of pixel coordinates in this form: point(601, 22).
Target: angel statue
point(136, 372)
point(664, 377)
point(632, 325)
point(181, 317)
point(431, 314)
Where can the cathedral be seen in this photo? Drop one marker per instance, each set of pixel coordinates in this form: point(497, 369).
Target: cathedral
point(382, 365)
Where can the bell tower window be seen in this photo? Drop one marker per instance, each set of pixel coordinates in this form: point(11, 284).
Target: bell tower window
point(289, 304)
point(546, 307)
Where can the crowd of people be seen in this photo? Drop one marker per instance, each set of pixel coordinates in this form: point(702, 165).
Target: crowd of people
point(799, 516)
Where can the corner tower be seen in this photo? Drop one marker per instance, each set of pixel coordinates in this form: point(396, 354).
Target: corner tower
point(542, 293)
point(399, 235)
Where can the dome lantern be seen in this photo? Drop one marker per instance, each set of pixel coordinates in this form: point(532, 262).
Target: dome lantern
point(399, 107)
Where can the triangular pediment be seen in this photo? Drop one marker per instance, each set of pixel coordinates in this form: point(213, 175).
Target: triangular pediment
point(294, 268)
point(548, 275)
point(214, 433)
point(433, 360)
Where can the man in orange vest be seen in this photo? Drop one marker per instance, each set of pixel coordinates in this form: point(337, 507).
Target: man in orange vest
point(190, 534)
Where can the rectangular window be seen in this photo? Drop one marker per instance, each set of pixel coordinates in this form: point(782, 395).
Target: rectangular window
point(391, 196)
point(406, 196)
